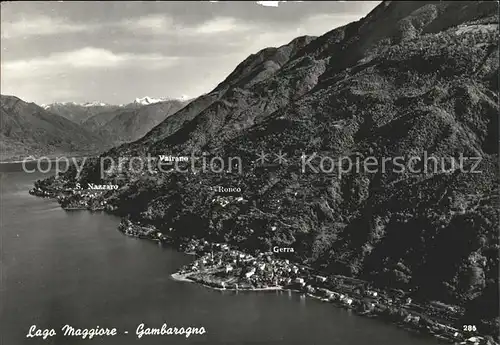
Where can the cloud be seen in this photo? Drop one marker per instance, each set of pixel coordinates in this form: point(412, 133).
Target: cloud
point(164, 25)
point(84, 58)
point(152, 24)
point(40, 26)
point(219, 25)
point(116, 51)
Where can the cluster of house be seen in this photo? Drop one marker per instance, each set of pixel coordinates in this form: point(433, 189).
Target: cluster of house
point(74, 198)
point(83, 199)
point(41, 192)
point(226, 200)
point(241, 269)
point(146, 232)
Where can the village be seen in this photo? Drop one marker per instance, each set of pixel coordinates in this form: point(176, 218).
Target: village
point(220, 266)
point(91, 199)
point(127, 227)
point(87, 199)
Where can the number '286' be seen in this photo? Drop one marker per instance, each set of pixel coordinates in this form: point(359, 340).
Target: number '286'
point(470, 328)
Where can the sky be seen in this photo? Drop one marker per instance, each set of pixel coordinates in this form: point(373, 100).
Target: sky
point(114, 52)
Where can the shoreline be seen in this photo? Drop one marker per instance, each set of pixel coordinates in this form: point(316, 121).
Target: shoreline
point(184, 278)
point(151, 233)
point(181, 278)
point(51, 159)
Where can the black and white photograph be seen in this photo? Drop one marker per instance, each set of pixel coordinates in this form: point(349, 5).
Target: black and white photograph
point(249, 173)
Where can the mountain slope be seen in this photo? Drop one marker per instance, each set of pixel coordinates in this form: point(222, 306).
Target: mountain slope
point(248, 95)
point(238, 100)
point(96, 122)
point(28, 129)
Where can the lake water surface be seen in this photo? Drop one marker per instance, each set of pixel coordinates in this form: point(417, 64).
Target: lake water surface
point(75, 268)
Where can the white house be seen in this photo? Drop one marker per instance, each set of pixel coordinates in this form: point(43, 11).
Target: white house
point(321, 279)
point(250, 273)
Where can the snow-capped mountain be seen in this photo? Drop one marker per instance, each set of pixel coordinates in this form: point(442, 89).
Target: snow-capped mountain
point(80, 112)
point(133, 120)
point(95, 104)
point(55, 104)
point(86, 104)
point(138, 101)
point(150, 100)
point(27, 129)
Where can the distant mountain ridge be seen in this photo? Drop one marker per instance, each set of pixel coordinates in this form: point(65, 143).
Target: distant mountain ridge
point(80, 112)
point(119, 123)
point(70, 127)
point(86, 104)
point(150, 100)
point(29, 130)
point(133, 121)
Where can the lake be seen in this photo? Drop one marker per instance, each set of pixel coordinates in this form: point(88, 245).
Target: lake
point(75, 268)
